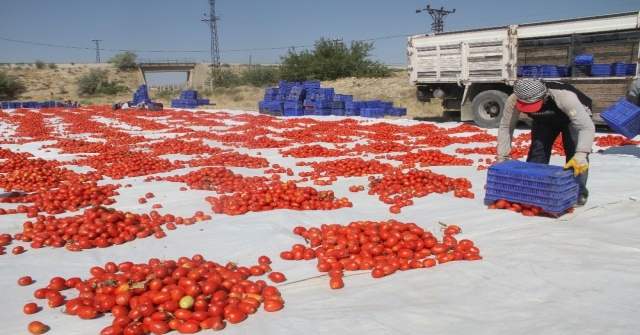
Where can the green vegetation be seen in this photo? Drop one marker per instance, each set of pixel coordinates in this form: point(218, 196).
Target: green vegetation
point(10, 86)
point(39, 64)
point(97, 82)
point(328, 61)
point(53, 66)
point(125, 61)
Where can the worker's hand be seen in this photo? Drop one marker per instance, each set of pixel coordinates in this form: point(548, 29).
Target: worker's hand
point(579, 163)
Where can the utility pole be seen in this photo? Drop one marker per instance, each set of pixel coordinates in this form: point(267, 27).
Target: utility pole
point(211, 21)
point(337, 42)
point(438, 16)
point(97, 50)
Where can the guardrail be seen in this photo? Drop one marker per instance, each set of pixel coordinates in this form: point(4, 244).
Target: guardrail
point(167, 61)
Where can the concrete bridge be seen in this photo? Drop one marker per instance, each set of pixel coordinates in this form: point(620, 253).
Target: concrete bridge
point(196, 72)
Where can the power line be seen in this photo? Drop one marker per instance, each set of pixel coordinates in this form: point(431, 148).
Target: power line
point(438, 16)
point(262, 49)
point(211, 21)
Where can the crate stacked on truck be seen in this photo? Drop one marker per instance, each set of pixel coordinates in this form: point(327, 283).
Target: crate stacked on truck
point(473, 71)
point(308, 98)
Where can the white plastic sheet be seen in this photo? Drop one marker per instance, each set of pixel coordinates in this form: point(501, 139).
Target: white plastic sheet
point(578, 274)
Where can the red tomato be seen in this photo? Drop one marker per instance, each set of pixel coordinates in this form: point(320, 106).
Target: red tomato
point(30, 308)
point(273, 305)
point(235, 316)
point(336, 283)
point(276, 277)
point(36, 327)
point(24, 281)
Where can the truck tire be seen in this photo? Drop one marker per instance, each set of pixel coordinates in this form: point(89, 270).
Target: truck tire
point(488, 107)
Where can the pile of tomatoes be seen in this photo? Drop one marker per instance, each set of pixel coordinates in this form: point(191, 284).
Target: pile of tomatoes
point(524, 209)
point(156, 297)
point(381, 247)
point(398, 187)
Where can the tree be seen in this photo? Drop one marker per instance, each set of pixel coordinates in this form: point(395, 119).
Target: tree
point(39, 64)
point(125, 61)
point(10, 86)
point(328, 61)
point(97, 82)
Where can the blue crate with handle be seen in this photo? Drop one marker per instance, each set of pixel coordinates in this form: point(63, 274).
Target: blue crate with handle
point(631, 69)
point(601, 70)
point(584, 59)
point(372, 112)
point(549, 187)
point(618, 69)
point(530, 71)
point(623, 117)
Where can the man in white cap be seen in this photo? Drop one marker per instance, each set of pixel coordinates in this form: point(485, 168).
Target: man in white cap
point(555, 108)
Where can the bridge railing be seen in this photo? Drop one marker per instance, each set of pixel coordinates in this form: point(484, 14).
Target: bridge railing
point(167, 61)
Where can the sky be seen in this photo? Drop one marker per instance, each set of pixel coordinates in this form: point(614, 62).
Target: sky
point(253, 31)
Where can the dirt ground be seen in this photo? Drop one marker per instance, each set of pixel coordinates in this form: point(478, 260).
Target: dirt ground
point(59, 84)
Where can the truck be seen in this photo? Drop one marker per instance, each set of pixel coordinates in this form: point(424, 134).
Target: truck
point(473, 71)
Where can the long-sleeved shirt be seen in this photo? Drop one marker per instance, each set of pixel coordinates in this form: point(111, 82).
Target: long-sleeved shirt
point(633, 93)
point(567, 102)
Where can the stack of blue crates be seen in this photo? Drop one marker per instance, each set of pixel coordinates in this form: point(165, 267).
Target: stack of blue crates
point(270, 94)
point(276, 108)
point(141, 95)
point(4, 105)
point(623, 117)
point(263, 107)
point(322, 107)
point(372, 112)
point(297, 93)
point(550, 187)
point(352, 108)
point(188, 99)
point(293, 108)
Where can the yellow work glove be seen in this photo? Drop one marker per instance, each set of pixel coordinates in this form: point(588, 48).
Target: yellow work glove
point(579, 163)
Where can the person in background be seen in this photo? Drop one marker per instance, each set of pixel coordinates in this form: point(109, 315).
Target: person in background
point(141, 105)
point(555, 108)
point(125, 105)
point(633, 92)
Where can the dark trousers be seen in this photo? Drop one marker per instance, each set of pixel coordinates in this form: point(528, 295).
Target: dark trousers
point(542, 137)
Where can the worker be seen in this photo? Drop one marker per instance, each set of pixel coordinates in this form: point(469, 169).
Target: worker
point(555, 108)
point(633, 92)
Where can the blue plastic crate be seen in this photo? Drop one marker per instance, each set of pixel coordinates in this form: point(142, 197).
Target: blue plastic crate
point(323, 104)
point(584, 59)
point(322, 112)
point(553, 71)
point(631, 69)
point(203, 101)
point(309, 112)
point(623, 117)
point(372, 112)
point(293, 112)
point(352, 112)
point(618, 69)
point(601, 70)
point(189, 94)
point(337, 112)
point(398, 112)
point(372, 104)
point(4, 105)
point(311, 84)
point(550, 187)
point(530, 71)
point(354, 104)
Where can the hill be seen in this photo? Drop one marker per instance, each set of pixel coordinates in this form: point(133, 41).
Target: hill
point(57, 82)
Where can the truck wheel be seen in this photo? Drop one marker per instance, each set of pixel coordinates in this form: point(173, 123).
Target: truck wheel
point(488, 107)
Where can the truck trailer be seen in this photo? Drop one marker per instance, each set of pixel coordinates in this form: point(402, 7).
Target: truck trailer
point(473, 71)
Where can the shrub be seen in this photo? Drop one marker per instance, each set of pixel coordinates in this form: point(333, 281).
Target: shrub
point(330, 62)
point(53, 66)
point(125, 61)
point(97, 82)
point(223, 77)
point(260, 76)
point(39, 64)
point(10, 86)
